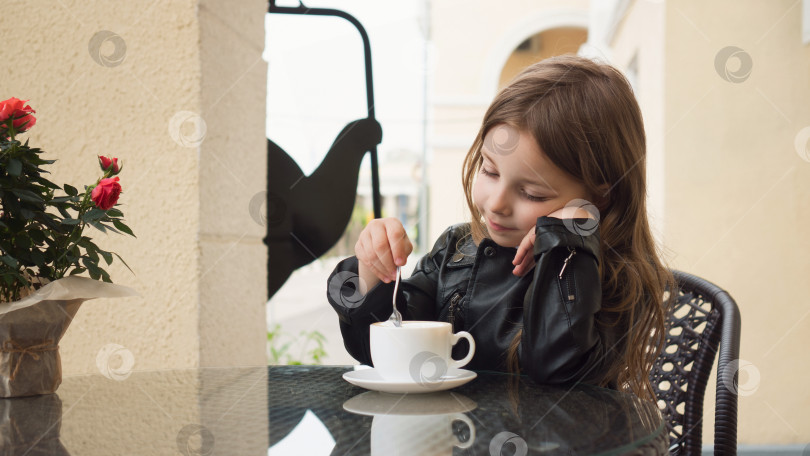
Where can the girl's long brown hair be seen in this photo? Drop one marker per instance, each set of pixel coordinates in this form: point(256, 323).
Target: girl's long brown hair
point(585, 118)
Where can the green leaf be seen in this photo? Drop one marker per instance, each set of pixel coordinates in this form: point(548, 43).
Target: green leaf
point(46, 182)
point(46, 271)
point(93, 214)
point(77, 270)
point(37, 235)
point(63, 210)
point(10, 261)
point(14, 167)
point(115, 213)
point(21, 240)
point(38, 258)
point(121, 226)
point(93, 255)
point(125, 263)
point(109, 227)
point(70, 221)
point(87, 243)
point(98, 226)
point(92, 267)
point(107, 256)
point(71, 190)
point(27, 195)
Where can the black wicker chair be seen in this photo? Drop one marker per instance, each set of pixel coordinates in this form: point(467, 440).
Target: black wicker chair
point(703, 317)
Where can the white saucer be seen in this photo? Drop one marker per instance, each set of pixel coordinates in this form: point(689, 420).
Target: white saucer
point(370, 379)
point(373, 403)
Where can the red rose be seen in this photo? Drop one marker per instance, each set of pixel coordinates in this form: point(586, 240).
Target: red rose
point(19, 112)
point(106, 193)
point(109, 164)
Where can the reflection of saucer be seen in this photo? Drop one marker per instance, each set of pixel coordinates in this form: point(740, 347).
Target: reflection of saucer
point(370, 379)
point(376, 403)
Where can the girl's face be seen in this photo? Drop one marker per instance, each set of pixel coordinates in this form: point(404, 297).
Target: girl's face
point(517, 183)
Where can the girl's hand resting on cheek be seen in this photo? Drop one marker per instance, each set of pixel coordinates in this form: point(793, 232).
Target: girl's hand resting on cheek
point(383, 245)
point(524, 258)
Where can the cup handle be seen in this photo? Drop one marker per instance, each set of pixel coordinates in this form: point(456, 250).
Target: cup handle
point(470, 426)
point(454, 338)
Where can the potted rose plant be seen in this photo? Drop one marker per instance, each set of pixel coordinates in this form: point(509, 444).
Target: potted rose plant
point(45, 254)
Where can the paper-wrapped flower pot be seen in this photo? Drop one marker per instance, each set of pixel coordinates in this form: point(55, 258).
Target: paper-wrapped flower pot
point(31, 328)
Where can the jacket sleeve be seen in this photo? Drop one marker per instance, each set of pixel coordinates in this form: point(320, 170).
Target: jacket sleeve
point(416, 299)
point(560, 341)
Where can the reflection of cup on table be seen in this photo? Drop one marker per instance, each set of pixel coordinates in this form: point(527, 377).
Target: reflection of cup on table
point(415, 424)
point(418, 351)
point(418, 435)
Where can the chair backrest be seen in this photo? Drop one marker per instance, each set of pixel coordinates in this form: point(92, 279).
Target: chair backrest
point(702, 318)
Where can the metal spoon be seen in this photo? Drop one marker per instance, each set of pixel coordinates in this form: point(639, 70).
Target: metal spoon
point(396, 317)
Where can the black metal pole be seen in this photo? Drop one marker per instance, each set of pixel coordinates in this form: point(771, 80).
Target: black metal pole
point(304, 10)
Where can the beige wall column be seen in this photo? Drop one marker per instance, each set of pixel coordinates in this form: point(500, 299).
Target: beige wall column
point(177, 91)
point(233, 183)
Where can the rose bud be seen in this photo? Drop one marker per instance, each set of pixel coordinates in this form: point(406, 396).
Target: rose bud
point(106, 193)
point(19, 112)
point(109, 165)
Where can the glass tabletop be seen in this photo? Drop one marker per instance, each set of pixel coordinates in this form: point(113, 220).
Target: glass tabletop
point(310, 410)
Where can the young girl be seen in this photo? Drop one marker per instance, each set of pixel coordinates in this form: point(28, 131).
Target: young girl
point(557, 275)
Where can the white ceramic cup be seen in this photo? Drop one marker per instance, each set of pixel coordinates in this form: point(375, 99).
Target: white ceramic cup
point(418, 351)
point(418, 435)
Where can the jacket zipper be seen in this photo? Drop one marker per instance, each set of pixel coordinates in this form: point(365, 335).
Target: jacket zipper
point(570, 296)
point(565, 264)
point(451, 314)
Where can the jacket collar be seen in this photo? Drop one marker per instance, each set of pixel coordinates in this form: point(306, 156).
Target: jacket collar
point(464, 253)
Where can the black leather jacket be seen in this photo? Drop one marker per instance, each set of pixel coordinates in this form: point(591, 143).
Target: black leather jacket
point(473, 288)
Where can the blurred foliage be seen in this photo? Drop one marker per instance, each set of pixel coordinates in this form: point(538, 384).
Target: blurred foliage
point(279, 346)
